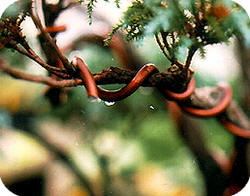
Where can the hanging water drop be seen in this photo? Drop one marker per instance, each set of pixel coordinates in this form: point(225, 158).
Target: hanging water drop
point(151, 107)
point(109, 103)
point(94, 99)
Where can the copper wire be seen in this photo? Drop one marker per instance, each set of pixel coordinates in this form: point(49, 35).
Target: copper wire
point(130, 88)
point(87, 77)
point(184, 95)
point(235, 129)
point(219, 108)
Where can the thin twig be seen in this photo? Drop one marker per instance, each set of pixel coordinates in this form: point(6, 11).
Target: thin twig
point(46, 35)
point(18, 74)
point(191, 53)
point(54, 70)
point(164, 39)
point(166, 45)
point(162, 47)
point(32, 55)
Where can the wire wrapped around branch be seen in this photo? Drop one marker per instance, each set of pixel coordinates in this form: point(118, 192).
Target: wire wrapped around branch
point(219, 108)
point(115, 95)
point(134, 81)
point(236, 130)
point(181, 96)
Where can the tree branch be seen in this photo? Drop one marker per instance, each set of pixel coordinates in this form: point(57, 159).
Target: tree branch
point(201, 98)
point(48, 38)
point(191, 53)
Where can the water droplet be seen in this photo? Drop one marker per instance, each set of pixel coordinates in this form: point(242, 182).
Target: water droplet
point(94, 99)
point(151, 107)
point(109, 103)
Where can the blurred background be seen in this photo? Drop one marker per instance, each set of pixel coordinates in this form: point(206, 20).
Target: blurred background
point(128, 148)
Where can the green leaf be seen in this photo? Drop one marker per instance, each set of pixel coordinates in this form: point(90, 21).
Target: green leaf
point(90, 7)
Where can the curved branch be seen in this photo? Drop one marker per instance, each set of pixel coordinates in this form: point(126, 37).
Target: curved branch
point(190, 55)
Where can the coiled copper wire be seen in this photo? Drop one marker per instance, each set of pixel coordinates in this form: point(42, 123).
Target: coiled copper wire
point(184, 95)
point(130, 88)
point(95, 91)
point(219, 108)
point(87, 77)
point(235, 129)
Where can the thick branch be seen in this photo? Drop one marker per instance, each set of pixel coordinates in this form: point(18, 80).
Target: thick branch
point(203, 98)
point(113, 75)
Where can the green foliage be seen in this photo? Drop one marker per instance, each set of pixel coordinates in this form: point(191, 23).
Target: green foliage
point(90, 7)
point(91, 4)
point(201, 22)
point(135, 19)
point(117, 2)
point(182, 24)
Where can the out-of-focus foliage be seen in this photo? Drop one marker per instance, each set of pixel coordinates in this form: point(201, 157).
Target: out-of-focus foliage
point(192, 23)
point(18, 150)
point(5, 119)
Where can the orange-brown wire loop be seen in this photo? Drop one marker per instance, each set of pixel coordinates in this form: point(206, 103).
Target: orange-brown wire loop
point(219, 108)
point(130, 88)
point(87, 77)
point(184, 95)
point(94, 91)
point(235, 129)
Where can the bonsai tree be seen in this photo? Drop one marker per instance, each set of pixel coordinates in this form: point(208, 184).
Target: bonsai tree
point(180, 28)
